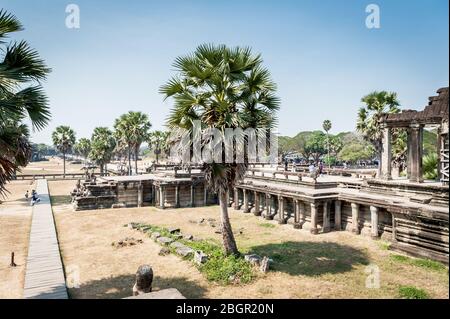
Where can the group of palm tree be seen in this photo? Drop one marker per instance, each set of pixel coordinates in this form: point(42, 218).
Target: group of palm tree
point(131, 130)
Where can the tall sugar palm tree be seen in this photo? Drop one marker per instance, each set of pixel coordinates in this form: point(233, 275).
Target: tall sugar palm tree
point(368, 123)
point(21, 97)
point(132, 129)
point(83, 147)
point(327, 127)
point(64, 139)
point(158, 142)
point(102, 147)
point(223, 88)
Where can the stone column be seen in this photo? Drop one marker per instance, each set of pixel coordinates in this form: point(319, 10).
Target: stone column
point(281, 219)
point(355, 217)
point(302, 215)
point(205, 195)
point(162, 197)
point(337, 215)
point(192, 196)
point(386, 154)
point(245, 195)
point(140, 195)
point(415, 153)
point(257, 205)
point(326, 217)
point(156, 195)
point(236, 199)
point(313, 219)
point(374, 221)
point(268, 207)
point(297, 224)
point(177, 196)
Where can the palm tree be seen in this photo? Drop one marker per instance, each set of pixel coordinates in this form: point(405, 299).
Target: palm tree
point(83, 147)
point(21, 97)
point(223, 88)
point(102, 147)
point(132, 129)
point(368, 123)
point(327, 127)
point(158, 141)
point(64, 139)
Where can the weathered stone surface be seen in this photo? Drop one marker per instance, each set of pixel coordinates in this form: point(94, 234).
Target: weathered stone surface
point(253, 259)
point(264, 264)
point(188, 237)
point(155, 236)
point(177, 244)
point(128, 241)
point(171, 293)
point(178, 236)
point(200, 257)
point(164, 251)
point(164, 240)
point(184, 251)
point(144, 280)
point(173, 230)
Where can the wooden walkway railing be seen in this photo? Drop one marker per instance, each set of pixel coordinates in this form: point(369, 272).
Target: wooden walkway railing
point(44, 276)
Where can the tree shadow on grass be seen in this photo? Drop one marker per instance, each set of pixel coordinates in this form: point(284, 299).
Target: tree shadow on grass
point(122, 286)
point(312, 258)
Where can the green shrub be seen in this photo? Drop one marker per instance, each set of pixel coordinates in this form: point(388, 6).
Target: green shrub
point(430, 166)
point(411, 292)
point(219, 268)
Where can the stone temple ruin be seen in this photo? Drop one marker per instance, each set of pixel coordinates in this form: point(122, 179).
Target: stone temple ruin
point(163, 187)
point(410, 213)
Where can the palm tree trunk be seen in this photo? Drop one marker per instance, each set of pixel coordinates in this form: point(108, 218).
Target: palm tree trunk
point(136, 153)
point(229, 243)
point(64, 164)
point(129, 160)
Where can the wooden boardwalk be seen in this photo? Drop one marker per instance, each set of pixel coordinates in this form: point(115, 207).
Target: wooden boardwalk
point(44, 276)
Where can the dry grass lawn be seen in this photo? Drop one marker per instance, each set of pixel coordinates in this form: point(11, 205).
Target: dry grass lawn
point(15, 223)
point(53, 166)
point(329, 265)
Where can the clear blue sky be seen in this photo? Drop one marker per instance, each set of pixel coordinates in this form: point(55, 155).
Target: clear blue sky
point(320, 53)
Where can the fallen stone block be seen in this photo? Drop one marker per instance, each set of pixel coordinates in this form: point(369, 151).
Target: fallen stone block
point(177, 244)
point(164, 240)
point(200, 257)
point(155, 236)
point(188, 237)
point(164, 251)
point(184, 251)
point(173, 230)
point(253, 259)
point(171, 293)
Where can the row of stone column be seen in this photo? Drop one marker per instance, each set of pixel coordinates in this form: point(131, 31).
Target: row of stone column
point(161, 196)
point(414, 154)
point(268, 211)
